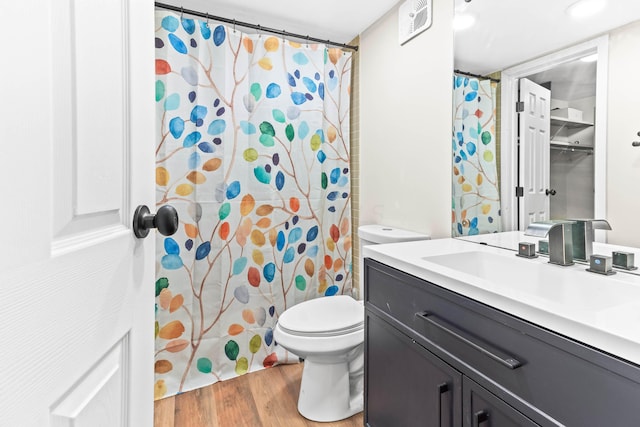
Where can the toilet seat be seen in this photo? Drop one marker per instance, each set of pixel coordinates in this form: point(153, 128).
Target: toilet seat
point(334, 333)
point(323, 317)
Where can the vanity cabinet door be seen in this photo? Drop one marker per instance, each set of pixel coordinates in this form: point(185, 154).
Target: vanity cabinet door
point(480, 408)
point(406, 385)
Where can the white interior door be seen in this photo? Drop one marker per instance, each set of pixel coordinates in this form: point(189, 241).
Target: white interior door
point(533, 161)
point(76, 157)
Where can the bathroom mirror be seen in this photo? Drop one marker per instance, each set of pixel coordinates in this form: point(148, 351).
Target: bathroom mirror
point(507, 35)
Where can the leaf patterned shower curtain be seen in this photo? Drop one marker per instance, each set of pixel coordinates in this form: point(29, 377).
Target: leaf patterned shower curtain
point(253, 151)
point(475, 190)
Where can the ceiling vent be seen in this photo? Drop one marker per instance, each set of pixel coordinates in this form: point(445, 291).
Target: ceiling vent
point(414, 17)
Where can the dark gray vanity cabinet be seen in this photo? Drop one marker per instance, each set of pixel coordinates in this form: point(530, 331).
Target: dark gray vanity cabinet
point(437, 358)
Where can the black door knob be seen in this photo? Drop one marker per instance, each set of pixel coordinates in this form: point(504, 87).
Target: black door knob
point(550, 191)
point(165, 220)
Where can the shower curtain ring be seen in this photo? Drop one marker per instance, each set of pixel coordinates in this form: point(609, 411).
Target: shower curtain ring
point(181, 13)
point(307, 40)
point(207, 23)
point(259, 31)
point(234, 26)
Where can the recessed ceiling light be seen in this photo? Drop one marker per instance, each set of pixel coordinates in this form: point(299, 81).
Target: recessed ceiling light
point(590, 58)
point(463, 21)
point(585, 8)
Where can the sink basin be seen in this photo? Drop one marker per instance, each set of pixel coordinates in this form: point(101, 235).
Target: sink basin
point(534, 280)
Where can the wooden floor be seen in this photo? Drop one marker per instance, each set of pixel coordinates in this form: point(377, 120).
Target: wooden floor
point(266, 398)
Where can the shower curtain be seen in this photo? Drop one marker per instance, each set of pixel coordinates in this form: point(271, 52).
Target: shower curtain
point(475, 189)
point(252, 149)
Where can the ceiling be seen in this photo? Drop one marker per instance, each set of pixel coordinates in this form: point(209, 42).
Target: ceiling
point(509, 32)
point(569, 81)
point(336, 20)
point(506, 33)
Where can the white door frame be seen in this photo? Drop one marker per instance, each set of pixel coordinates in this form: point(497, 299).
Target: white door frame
point(509, 132)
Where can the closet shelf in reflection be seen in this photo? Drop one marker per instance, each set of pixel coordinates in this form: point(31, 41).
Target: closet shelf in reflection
point(569, 124)
point(565, 128)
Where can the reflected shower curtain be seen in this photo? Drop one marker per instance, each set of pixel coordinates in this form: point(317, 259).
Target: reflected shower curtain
point(252, 149)
point(475, 190)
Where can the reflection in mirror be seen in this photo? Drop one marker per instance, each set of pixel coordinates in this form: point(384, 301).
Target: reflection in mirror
point(572, 136)
point(592, 164)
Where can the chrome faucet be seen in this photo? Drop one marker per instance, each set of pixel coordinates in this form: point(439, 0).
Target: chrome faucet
point(583, 236)
point(560, 239)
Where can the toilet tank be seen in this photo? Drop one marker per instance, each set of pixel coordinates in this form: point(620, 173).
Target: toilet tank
point(374, 234)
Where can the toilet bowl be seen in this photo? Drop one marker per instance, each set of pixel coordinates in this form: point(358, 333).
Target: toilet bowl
point(328, 333)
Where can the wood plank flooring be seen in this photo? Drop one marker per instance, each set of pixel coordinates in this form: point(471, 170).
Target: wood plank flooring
point(266, 398)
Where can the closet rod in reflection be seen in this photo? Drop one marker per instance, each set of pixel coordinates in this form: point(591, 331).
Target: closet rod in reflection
point(480, 76)
point(569, 149)
point(259, 28)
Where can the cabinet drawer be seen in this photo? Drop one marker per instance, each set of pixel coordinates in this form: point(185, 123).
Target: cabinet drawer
point(549, 378)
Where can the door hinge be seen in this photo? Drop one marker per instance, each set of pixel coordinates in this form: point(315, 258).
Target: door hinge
point(519, 107)
point(519, 192)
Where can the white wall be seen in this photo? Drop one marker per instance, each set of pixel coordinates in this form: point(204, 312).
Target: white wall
point(405, 110)
point(623, 161)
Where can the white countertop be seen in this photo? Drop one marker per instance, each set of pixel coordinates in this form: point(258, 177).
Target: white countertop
point(601, 311)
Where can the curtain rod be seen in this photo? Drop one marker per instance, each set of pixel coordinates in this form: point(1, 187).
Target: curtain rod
point(252, 26)
point(476, 75)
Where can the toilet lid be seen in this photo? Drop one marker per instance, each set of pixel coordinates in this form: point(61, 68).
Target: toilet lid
point(335, 314)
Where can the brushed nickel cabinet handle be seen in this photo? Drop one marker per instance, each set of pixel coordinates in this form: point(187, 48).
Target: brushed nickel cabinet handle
point(494, 353)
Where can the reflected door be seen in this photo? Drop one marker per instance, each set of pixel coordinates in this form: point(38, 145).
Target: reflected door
point(533, 153)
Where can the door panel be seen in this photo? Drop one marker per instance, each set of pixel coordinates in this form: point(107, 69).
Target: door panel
point(84, 403)
point(77, 157)
point(98, 106)
point(534, 157)
point(89, 122)
point(406, 385)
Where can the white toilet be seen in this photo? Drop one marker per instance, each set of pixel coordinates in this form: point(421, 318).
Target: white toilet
point(328, 333)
